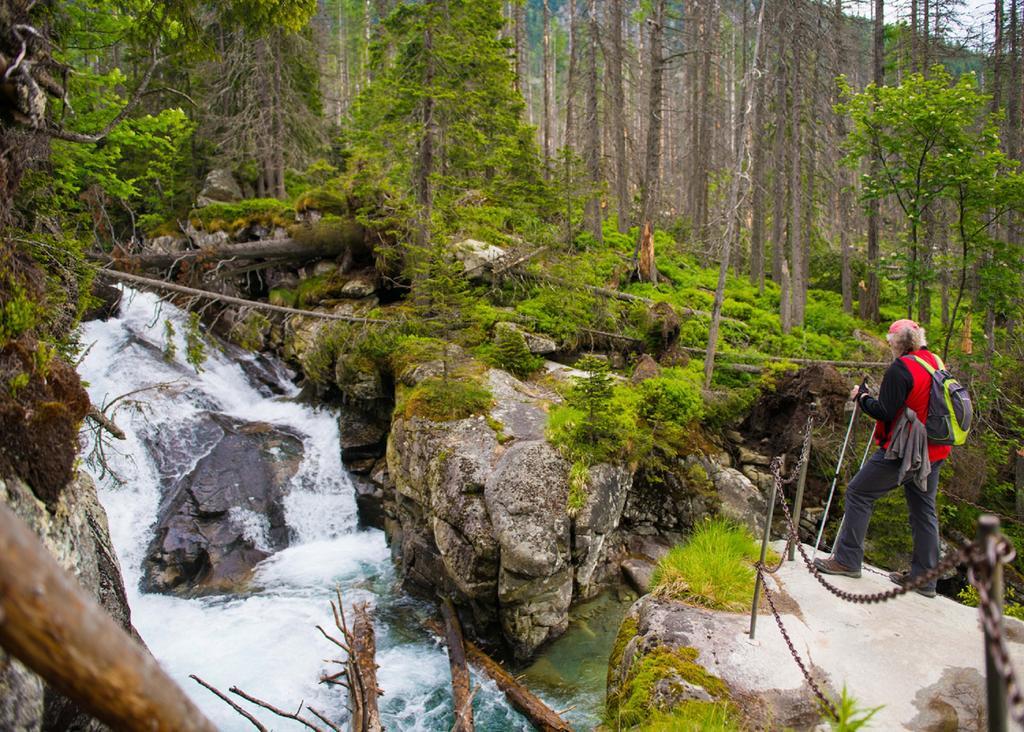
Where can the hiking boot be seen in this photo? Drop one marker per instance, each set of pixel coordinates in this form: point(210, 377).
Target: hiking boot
point(831, 566)
point(902, 578)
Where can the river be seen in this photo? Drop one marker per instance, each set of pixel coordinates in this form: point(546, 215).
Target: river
point(264, 640)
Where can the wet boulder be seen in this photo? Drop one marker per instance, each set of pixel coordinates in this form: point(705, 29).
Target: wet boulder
point(220, 518)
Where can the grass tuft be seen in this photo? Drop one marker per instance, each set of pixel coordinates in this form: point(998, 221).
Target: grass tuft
point(714, 569)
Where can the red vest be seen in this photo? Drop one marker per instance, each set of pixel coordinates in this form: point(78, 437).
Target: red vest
point(917, 400)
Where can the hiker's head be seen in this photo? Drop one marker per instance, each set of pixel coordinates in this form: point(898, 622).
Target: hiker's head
point(905, 336)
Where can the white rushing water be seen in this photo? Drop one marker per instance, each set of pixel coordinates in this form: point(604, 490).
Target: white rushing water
point(264, 641)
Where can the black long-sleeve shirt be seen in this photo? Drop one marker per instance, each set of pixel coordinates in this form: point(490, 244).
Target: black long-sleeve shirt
point(892, 394)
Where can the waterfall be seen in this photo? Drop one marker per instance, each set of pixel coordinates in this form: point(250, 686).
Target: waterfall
point(264, 640)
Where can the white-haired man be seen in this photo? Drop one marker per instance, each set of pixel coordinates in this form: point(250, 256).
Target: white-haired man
point(906, 385)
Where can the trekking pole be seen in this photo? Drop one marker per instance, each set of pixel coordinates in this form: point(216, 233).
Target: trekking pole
point(835, 478)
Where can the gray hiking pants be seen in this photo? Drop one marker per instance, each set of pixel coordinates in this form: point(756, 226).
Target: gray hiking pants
point(874, 480)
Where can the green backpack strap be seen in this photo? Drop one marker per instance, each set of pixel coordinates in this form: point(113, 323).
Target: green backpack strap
point(927, 366)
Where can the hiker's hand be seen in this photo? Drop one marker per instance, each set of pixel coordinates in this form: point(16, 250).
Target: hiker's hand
point(856, 391)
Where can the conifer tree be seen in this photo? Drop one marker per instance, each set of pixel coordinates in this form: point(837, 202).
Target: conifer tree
point(443, 111)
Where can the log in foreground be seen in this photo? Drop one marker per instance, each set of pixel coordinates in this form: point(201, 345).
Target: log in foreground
point(461, 693)
point(525, 701)
point(49, 623)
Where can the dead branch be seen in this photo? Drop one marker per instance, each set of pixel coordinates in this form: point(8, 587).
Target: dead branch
point(227, 700)
point(279, 712)
point(104, 422)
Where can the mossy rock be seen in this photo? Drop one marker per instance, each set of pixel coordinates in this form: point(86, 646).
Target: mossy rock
point(662, 679)
point(282, 297)
point(323, 200)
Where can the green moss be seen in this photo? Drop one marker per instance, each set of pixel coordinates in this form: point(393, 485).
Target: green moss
point(282, 297)
point(627, 631)
point(314, 290)
point(268, 212)
point(325, 200)
point(633, 703)
point(411, 351)
point(250, 332)
point(441, 399)
point(499, 430)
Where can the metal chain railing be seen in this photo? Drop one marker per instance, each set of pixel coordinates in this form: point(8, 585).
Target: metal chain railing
point(796, 656)
point(983, 559)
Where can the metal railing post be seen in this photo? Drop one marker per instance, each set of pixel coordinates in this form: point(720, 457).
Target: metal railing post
point(764, 553)
point(988, 531)
point(798, 499)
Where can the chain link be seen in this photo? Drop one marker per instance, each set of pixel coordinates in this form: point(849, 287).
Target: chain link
point(979, 560)
point(984, 509)
point(796, 656)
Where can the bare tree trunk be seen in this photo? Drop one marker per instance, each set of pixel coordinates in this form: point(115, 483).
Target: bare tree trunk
point(613, 66)
point(278, 126)
point(549, 91)
point(592, 149)
point(757, 165)
point(652, 158)
point(732, 232)
point(570, 83)
point(779, 187)
point(50, 624)
point(869, 298)
point(425, 164)
point(843, 182)
point(522, 65)
point(798, 287)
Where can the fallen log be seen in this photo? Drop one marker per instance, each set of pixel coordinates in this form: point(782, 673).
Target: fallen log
point(362, 674)
point(461, 692)
point(350, 234)
point(206, 294)
point(540, 715)
point(49, 623)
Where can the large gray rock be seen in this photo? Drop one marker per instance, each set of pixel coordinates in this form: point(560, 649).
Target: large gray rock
point(537, 344)
point(219, 186)
point(607, 488)
point(76, 534)
point(219, 519)
point(478, 258)
point(704, 647)
point(739, 498)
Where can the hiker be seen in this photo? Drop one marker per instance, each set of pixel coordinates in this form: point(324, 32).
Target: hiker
point(905, 457)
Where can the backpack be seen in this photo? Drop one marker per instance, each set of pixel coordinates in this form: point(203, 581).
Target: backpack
point(950, 412)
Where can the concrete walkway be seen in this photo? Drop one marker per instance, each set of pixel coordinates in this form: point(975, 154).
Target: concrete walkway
point(920, 659)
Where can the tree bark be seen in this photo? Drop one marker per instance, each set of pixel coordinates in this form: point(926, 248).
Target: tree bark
point(461, 693)
point(50, 624)
point(522, 65)
point(869, 298)
point(798, 287)
point(779, 177)
point(757, 175)
point(732, 231)
point(537, 712)
point(363, 659)
point(549, 101)
point(613, 66)
point(652, 156)
point(592, 148)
